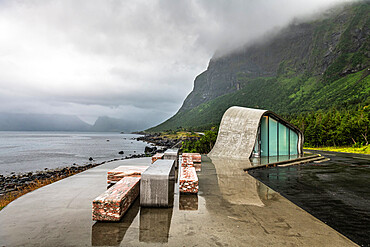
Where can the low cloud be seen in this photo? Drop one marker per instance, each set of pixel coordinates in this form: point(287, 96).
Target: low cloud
point(124, 59)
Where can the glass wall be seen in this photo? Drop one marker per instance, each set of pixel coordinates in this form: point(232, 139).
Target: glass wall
point(293, 142)
point(264, 136)
point(276, 139)
point(283, 140)
point(273, 137)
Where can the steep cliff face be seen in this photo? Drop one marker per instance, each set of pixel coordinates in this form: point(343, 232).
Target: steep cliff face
point(302, 58)
point(261, 60)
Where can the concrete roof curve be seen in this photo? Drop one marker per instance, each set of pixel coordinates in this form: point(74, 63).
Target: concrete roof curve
point(238, 132)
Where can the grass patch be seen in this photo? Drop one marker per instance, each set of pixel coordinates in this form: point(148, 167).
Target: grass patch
point(360, 150)
point(178, 134)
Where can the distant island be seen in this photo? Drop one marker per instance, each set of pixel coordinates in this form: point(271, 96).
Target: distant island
point(59, 122)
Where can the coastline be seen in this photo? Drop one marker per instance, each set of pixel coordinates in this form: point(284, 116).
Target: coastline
point(16, 185)
point(221, 174)
point(13, 186)
point(60, 214)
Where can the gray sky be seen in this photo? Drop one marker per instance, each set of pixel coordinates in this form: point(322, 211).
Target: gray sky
point(123, 59)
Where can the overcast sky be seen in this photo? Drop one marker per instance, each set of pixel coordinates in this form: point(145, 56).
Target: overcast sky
point(123, 59)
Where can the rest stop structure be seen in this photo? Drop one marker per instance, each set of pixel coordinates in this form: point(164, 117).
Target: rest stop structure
point(246, 133)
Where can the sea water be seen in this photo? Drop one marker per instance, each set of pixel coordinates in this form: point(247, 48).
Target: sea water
point(33, 151)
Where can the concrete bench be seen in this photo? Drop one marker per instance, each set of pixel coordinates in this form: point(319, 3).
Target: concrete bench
point(157, 156)
point(120, 172)
point(157, 184)
point(172, 154)
point(188, 181)
point(113, 203)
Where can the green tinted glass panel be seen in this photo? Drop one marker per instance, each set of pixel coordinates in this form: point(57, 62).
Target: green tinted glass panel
point(283, 140)
point(273, 137)
point(293, 142)
point(264, 136)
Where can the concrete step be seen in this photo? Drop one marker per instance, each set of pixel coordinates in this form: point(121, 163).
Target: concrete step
point(314, 159)
point(323, 160)
point(297, 161)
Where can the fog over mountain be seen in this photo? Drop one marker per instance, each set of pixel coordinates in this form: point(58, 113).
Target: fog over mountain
point(41, 122)
point(59, 122)
point(131, 60)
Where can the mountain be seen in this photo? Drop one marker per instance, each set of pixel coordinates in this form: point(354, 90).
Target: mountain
point(58, 122)
point(307, 66)
point(41, 122)
point(104, 124)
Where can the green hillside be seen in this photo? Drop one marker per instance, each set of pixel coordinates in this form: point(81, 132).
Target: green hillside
point(308, 67)
point(294, 95)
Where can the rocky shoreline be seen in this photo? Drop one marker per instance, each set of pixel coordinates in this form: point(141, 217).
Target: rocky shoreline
point(13, 183)
point(17, 182)
point(165, 143)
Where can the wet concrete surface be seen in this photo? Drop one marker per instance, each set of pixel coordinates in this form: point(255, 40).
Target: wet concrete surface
point(231, 209)
point(336, 192)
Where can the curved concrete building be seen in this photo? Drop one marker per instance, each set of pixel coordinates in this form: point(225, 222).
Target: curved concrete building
point(246, 133)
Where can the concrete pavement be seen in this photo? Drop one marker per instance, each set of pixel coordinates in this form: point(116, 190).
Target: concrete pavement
point(233, 209)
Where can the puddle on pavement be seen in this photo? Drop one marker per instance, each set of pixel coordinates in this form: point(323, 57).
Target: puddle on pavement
point(337, 192)
point(224, 184)
point(229, 205)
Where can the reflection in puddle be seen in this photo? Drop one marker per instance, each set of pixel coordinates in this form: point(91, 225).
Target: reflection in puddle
point(188, 202)
point(258, 161)
point(336, 192)
point(266, 194)
point(112, 233)
point(176, 175)
point(171, 191)
point(229, 181)
point(235, 185)
point(155, 224)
